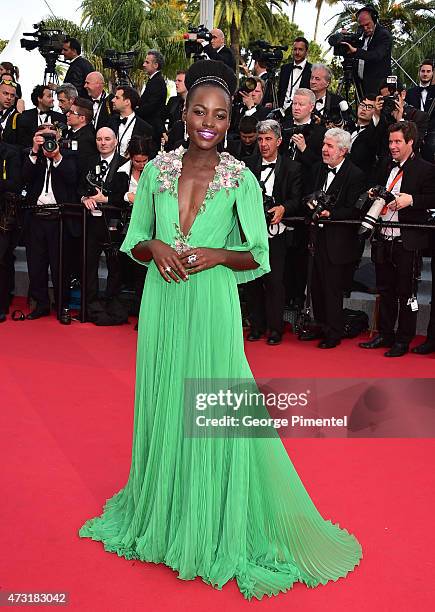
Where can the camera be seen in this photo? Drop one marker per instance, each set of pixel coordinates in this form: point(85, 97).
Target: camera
point(50, 143)
point(295, 129)
point(380, 197)
point(336, 41)
point(319, 201)
point(95, 180)
point(48, 40)
point(390, 101)
point(121, 63)
point(192, 47)
point(271, 55)
point(268, 202)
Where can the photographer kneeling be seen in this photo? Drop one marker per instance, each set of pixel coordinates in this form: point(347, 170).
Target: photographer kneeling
point(51, 180)
point(336, 246)
point(280, 179)
point(411, 181)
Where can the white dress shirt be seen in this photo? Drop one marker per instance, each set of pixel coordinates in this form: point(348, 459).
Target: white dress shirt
point(294, 82)
point(125, 131)
point(392, 215)
point(268, 178)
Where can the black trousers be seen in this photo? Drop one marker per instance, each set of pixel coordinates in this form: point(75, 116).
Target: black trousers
point(329, 281)
point(396, 283)
point(265, 295)
point(8, 242)
point(431, 326)
point(99, 239)
point(42, 253)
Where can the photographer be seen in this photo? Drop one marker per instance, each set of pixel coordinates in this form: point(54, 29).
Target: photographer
point(294, 75)
point(327, 104)
point(79, 66)
point(80, 131)
point(152, 102)
point(66, 94)
point(373, 58)
point(395, 251)
point(280, 179)
point(29, 120)
point(50, 179)
point(248, 104)
point(96, 190)
point(365, 136)
point(246, 144)
point(10, 182)
point(216, 49)
point(101, 100)
point(8, 113)
point(175, 104)
point(336, 247)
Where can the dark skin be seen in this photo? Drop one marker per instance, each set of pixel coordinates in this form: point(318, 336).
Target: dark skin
point(207, 117)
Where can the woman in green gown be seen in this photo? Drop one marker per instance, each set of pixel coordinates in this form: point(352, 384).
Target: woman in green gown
point(215, 507)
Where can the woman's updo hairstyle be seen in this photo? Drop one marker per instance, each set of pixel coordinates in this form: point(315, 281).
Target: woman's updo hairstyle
point(210, 73)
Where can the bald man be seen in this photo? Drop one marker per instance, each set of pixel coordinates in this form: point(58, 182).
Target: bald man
point(216, 49)
point(102, 101)
point(100, 238)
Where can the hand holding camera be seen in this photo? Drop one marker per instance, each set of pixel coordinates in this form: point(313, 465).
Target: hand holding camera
point(46, 141)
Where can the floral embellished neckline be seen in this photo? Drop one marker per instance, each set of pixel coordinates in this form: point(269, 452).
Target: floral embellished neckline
point(228, 173)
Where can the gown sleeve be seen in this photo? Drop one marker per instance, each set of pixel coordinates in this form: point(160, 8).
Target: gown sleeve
point(249, 232)
point(142, 221)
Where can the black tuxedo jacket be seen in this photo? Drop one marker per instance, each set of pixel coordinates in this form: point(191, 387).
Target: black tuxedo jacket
point(9, 132)
point(284, 78)
point(341, 240)
point(332, 104)
point(10, 165)
point(241, 151)
point(364, 149)
point(106, 112)
point(173, 110)
point(419, 181)
point(287, 188)
point(377, 60)
point(77, 73)
point(152, 104)
point(313, 134)
point(116, 162)
point(413, 97)
point(63, 179)
point(27, 124)
point(225, 55)
point(140, 127)
point(87, 148)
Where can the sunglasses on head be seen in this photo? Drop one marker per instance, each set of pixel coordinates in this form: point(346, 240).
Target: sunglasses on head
point(8, 82)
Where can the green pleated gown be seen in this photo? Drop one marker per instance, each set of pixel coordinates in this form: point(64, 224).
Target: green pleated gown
point(219, 508)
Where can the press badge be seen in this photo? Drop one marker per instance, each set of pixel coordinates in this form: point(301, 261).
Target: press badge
point(412, 301)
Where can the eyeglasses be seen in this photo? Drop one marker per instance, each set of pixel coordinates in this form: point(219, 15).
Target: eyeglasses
point(8, 82)
point(71, 112)
point(366, 106)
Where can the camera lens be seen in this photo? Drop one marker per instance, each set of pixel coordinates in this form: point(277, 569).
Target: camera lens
point(50, 144)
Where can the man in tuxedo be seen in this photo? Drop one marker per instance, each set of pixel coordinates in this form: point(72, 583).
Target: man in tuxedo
point(280, 179)
point(249, 105)
point(373, 59)
point(30, 120)
point(294, 75)
point(246, 145)
point(100, 237)
point(66, 94)
point(51, 179)
point(395, 251)
point(127, 123)
point(175, 104)
point(216, 49)
point(365, 138)
point(10, 182)
point(81, 132)
point(101, 100)
point(8, 113)
point(327, 104)
point(153, 100)
point(422, 98)
point(336, 247)
point(79, 66)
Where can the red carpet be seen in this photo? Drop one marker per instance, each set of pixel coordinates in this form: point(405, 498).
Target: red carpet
point(66, 422)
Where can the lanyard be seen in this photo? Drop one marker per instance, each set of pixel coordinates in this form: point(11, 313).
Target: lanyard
point(395, 180)
point(47, 176)
point(127, 126)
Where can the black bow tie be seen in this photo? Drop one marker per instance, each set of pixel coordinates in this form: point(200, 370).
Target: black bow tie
point(103, 166)
point(395, 164)
point(360, 127)
point(295, 67)
point(423, 87)
point(96, 100)
point(267, 166)
point(332, 171)
point(123, 120)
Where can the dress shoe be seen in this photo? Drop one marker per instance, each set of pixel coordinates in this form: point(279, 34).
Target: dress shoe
point(397, 350)
point(2, 317)
point(377, 342)
point(427, 347)
point(274, 338)
point(65, 317)
point(329, 343)
point(38, 313)
point(254, 335)
point(310, 334)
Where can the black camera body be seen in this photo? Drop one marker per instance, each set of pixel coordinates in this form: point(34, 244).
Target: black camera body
point(319, 201)
point(95, 180)
point(336, 41)
point(49, 41)
point(268, 202)
point(271, 55)
point(192, 47)
point(121, 62)
point(295, 129)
